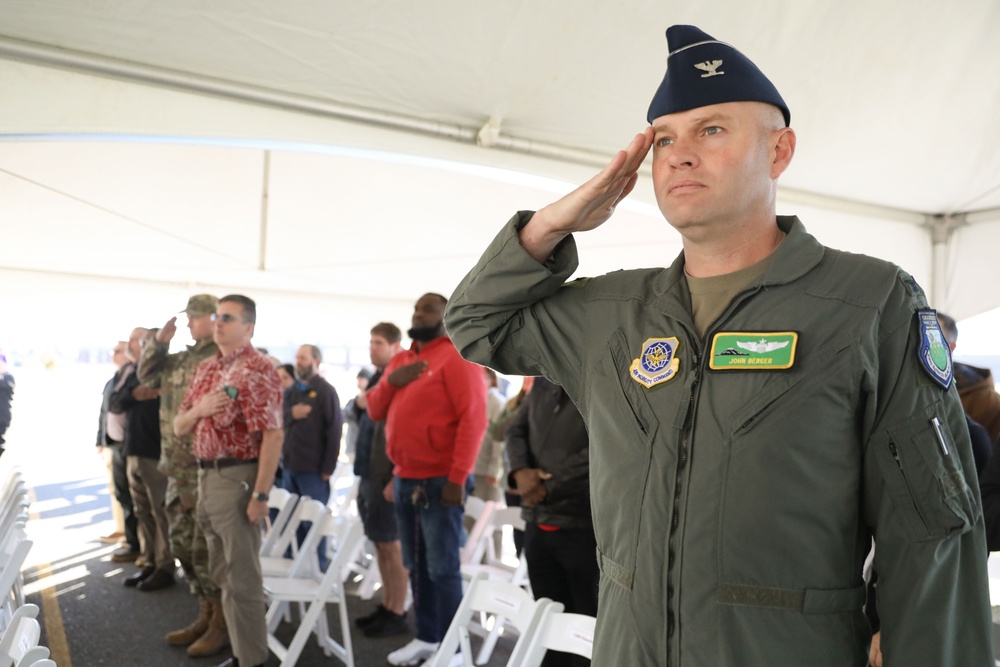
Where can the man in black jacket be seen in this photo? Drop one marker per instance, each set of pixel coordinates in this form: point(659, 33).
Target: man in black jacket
point(548, 455)
point(141, 406)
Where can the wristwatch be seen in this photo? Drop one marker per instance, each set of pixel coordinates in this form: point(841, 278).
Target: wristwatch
point(260, 495)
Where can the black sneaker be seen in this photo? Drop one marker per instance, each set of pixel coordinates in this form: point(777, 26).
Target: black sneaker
point(390, 624)
point(365, 621)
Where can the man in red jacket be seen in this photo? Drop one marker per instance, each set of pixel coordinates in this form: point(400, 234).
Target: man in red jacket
point(434, 406)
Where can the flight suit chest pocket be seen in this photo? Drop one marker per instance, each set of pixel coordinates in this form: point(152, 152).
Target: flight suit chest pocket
point(639, 409)
point(923, 473)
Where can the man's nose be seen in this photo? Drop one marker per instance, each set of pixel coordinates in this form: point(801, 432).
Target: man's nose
point(683, 154)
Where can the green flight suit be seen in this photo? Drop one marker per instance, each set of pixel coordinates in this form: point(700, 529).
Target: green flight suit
point(734, 508)
point(172, 374)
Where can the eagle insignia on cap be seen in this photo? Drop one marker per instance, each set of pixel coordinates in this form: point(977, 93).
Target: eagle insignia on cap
point(710, 67)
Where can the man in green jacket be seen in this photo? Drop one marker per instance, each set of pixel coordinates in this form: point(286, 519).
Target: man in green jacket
point(759, 411)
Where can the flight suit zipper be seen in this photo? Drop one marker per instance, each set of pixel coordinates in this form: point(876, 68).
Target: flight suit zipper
point(683, 455)
point(699, 354)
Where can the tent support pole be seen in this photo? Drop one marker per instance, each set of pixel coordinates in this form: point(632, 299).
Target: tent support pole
point(942, 228)
point(264, 195)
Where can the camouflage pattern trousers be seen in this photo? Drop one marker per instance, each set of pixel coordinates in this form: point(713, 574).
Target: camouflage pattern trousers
point(188, 543)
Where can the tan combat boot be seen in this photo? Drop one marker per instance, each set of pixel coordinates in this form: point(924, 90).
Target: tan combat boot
point(216, 637)
point(187, 635)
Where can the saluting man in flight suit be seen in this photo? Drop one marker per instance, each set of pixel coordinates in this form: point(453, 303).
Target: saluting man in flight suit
point(758, 411)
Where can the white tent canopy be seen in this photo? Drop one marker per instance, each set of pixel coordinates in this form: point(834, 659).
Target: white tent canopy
point(345, 157)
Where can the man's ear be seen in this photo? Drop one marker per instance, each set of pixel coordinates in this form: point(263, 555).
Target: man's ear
point(782, 151)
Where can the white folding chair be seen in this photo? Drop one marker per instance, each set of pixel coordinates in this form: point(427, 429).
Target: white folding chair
point(494, 568)
point(11, 579)
point(316, 593)
point(481, 512)
point(19, 645)
point(556, 631)
point(344, 490)
point(284, 501)
point(46, 662)
point(305, 559)
point(493, 597)
point(365, 571)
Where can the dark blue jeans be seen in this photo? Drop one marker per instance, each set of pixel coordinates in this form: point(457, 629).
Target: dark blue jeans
point(431, 536)
point(313, 485)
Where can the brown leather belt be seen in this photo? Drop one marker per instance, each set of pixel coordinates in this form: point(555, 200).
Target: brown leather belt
point(216, 464)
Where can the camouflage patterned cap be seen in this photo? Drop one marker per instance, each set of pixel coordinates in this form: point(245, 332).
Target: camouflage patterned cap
point(201, 304)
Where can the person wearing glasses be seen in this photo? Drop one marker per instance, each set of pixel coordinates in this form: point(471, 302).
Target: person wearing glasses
point(758, 410)
point(234, 410)
point(172, 374)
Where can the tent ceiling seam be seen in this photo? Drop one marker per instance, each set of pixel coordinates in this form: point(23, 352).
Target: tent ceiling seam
point(120, 216)
point(487, 136)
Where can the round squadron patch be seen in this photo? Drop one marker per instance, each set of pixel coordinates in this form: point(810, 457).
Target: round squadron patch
point(657, 361)
point(934, 353)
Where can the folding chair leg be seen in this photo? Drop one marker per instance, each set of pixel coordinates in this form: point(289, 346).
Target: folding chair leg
point(303, 633)
point(490, 642)
point(345, 630)
point(466, 647)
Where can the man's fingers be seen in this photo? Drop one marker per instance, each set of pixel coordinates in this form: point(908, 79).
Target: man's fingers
point(629, 186)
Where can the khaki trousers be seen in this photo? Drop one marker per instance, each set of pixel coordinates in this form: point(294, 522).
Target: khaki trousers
point(148, 487)
point(233, 546)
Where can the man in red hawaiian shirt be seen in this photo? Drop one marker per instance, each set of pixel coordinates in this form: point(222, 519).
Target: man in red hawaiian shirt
point(233, 407)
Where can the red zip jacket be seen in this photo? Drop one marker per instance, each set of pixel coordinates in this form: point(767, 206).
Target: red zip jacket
point(435, 424)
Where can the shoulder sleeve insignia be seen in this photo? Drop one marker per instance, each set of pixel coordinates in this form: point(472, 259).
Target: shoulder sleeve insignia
point(933, 353)
point(657, 361)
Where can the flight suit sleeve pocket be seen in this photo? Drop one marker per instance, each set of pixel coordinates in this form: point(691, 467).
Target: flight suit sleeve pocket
point(923, 474)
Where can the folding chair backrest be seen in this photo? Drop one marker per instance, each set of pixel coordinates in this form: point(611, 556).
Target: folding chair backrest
point(284, 501)
point(559, 631)
point(347, 536)
point(343, 488)
point(11, 630)
point(286, 540)
point(499, 598)
point(475, 544)
point(24, 632)
point(10, 571)
point(306, 560)
point(502, 516)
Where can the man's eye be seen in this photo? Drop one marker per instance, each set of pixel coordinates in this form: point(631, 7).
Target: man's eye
point(664, 141)
point(713, 130)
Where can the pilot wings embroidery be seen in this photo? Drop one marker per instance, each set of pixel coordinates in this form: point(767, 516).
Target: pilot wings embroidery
point(761, 346)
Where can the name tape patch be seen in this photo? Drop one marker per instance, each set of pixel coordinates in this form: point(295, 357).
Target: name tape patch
point(753, 350)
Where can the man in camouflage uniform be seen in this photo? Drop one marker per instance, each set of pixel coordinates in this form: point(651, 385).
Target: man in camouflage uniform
point(173, 373)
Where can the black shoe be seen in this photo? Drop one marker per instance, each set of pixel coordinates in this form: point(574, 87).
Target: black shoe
point(133, 580)
point(365, 621)
point(157, 580)
point(390, 624)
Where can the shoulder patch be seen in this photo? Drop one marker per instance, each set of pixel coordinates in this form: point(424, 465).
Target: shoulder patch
point(657, 361)
point(933, 353)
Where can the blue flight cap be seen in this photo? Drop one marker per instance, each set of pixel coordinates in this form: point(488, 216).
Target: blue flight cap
point(702, 71)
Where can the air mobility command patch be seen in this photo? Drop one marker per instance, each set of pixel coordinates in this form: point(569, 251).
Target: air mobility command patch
point(657, 361)
point(753, 350)
point(934, 354)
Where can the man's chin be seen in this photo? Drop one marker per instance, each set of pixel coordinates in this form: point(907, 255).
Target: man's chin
point(425, 334)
